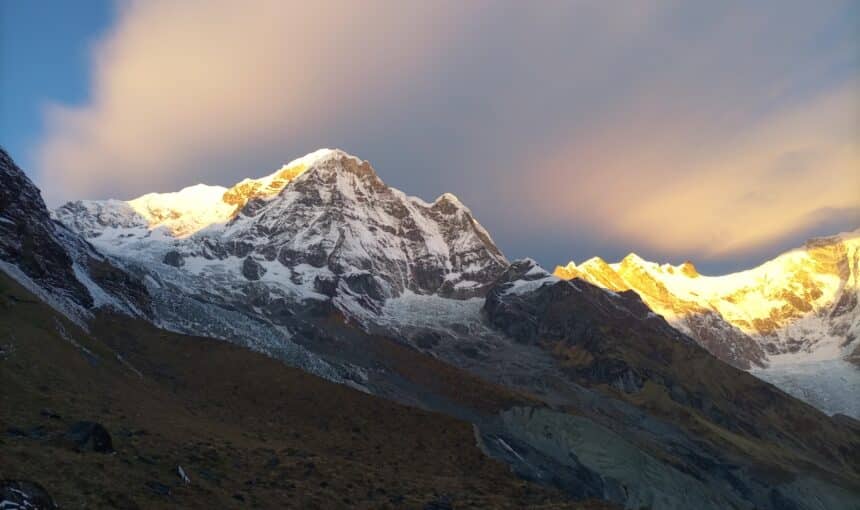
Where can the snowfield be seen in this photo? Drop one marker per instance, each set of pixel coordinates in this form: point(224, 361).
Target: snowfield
point(832, 386)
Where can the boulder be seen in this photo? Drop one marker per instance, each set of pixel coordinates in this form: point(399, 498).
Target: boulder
point(88, 435)
point(174, 258)
point(24, 495)
point(251, 269)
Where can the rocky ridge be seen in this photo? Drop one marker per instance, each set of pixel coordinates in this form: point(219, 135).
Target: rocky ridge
point(323, 229)
point(54, 262)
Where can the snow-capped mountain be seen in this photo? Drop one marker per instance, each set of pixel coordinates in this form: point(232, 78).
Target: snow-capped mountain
point(324, 267)
point(55, 263)
point(322, 229)
point(793, 320)
point(800, 306)
point(263, 262)
point(181, 213)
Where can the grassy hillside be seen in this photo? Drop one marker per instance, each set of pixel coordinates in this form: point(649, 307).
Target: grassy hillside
point(247, 430)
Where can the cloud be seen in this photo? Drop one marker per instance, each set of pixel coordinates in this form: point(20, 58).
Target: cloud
point(785, 174)
point(189, 87)
point(683, 130)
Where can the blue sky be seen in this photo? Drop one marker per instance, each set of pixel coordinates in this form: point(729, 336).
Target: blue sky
point(722, 132)
point(44, 56)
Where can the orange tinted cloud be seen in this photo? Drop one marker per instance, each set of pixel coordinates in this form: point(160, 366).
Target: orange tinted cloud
point(711, 198)
point(680, 129)
point(178, 84)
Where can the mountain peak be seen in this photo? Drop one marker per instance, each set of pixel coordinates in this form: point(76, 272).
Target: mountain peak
point(185, 211)
point(633, 259)
point(322, 226)
point(753, 312)
point(449, 197)
point(269, 186)
point(688, 269)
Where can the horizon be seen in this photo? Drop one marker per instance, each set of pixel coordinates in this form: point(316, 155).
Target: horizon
point(701, 133)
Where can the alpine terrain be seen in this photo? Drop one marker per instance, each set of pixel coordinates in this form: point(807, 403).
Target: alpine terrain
point(463, 380)
point(793, 320)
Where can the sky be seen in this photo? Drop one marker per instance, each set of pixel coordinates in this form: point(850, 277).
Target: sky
point(718, 132)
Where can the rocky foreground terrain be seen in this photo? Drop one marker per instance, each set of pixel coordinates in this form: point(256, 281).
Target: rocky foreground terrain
point(246, 430)
point(443, 376)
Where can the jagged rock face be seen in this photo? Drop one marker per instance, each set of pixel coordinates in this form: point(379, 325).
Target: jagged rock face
point(577, 321)
point(324, 227)
point(90, 218)
point(803, 304)
point(27, 238)
point(54, 259)
point(707, 326)
point(341, 218)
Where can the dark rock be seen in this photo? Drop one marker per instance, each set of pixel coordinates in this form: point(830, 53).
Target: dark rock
point(441, 503)
point(365, 284)
point(159, 488)
point(16, 432)
point(47, 251)
point(469, 351)
point(27, 235)
point(174, 258)
point(48, 413)
point(428, 340)
point(120, 501)
point(315, 255)
point(213, 249)
point(251, 269)
point(268, 252)
point(780, 501)
point(428, 275)
point(326, 286)
point(209, 476)
point(847, 421)
point(88, 435)
point(24, 495)
point(37, 432)
point(239, 248)
point(613, 372)
point(118, 282)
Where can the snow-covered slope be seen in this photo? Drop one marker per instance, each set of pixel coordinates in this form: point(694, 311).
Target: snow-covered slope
point(324, 228)
point(800, 306)
point(177, 214)
point(55, 263)
point(794, 320)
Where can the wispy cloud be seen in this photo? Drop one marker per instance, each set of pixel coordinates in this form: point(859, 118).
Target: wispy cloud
point(713, 197)
point(199, 87)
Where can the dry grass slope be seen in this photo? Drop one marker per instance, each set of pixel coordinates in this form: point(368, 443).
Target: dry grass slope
point(249, 431)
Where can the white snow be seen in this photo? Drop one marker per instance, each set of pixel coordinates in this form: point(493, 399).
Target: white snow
point(430, 311)
point(521, 287)
point(186, 211)
point(65, 307)
point(830, 385)
point(100, 297)
point(751, 298)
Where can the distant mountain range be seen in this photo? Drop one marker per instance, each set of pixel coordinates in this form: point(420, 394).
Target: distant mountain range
point(794, 320)
point(800, 306)
point(324, 267)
